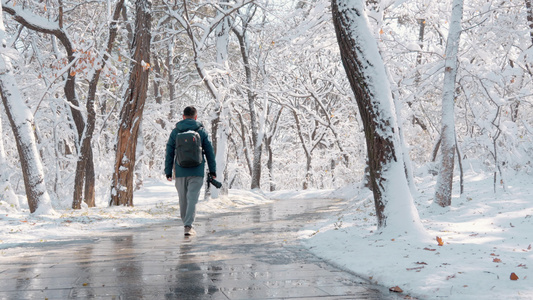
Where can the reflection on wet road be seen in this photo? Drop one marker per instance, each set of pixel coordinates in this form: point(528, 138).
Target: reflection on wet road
point(248, 254)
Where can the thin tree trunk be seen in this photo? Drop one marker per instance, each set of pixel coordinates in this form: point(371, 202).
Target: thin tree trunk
point(132, 108)
point(529, 9)
point(443, 191)
point(307, 151)
point(257, 141)
point(85, 155)
point(170, 82)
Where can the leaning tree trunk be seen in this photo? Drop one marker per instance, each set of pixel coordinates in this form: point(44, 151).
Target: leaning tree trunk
point(34, 22)
point(368, 79)
point(132, 109)
point(22, 124)
point(443, 190)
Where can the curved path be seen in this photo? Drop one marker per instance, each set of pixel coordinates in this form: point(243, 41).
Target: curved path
point(248, 254)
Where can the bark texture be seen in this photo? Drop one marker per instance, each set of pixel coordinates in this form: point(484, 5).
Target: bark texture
point(380, 144)
point(85, 155)
point(132, 108)
point(443, 190)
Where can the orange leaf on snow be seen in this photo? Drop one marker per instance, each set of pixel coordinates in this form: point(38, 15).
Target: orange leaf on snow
point(428, 249)
point(521, 266)
point(514, 276)
point(439, 241)
point(492, 254)
point(496, 260)
point(396, 289)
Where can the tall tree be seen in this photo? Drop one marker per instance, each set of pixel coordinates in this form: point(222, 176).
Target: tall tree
point(22, 123)
point(85, 152)
point(132, 108)
point(443, 192)
point(257, 135)
point(368, 79)
point(85, 177)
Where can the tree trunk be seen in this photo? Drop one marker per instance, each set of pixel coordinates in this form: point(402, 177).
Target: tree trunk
point(268, 146)
point(170, 82)
point(28, 20)
point(307, 151)
point(529, 9)
point(22, 123)
point(84, 166)
point(443, 190)
point(257, 140)
point(7, 194)
point(132, 108)
point(369, 82)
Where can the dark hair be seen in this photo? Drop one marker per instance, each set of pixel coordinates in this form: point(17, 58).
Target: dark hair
point(189, 111)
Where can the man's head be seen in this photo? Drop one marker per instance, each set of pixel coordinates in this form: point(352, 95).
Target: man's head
point(189, 112)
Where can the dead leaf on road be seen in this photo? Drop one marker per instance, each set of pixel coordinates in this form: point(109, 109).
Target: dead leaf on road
point(396, 289)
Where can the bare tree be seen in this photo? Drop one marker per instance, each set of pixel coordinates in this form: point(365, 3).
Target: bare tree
point(85, 177)
point(443, 192)
point(368, 79)
point(132, 108)
point(22, 123)
point(85, 154)
point(257, 141)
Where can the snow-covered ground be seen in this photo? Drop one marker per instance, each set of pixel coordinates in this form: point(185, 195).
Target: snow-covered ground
point(486, 236)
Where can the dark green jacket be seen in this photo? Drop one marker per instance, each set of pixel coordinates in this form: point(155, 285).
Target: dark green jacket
point(209, 153)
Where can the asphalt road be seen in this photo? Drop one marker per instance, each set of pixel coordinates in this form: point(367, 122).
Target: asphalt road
point(246, 254)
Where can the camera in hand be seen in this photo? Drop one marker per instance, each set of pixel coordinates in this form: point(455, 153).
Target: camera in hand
point(211, 180)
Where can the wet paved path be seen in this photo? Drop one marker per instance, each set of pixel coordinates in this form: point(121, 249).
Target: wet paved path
point(250, 254)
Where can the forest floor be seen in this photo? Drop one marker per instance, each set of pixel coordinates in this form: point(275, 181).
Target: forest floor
point(485, 249)
point(486, 235)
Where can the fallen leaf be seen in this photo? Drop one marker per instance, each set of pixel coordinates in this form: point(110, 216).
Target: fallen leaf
point(416, 268)
point(521, 266)
point(497, 260)
point(396, 289)
point(514, 276)
point(420, 263)
point(528, 248)
point(492, 254)
point(450, 277)
point(439, 241)
point(428, 249)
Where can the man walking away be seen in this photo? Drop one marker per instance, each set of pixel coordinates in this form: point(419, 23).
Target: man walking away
point(187, 149)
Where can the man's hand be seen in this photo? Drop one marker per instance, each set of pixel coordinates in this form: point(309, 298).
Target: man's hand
point(213, 174)
point(169, 177)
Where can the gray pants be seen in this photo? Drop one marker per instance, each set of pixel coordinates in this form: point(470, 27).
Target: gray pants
point(188, 193)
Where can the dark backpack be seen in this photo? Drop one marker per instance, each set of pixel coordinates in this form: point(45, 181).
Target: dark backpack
point(189, 149)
